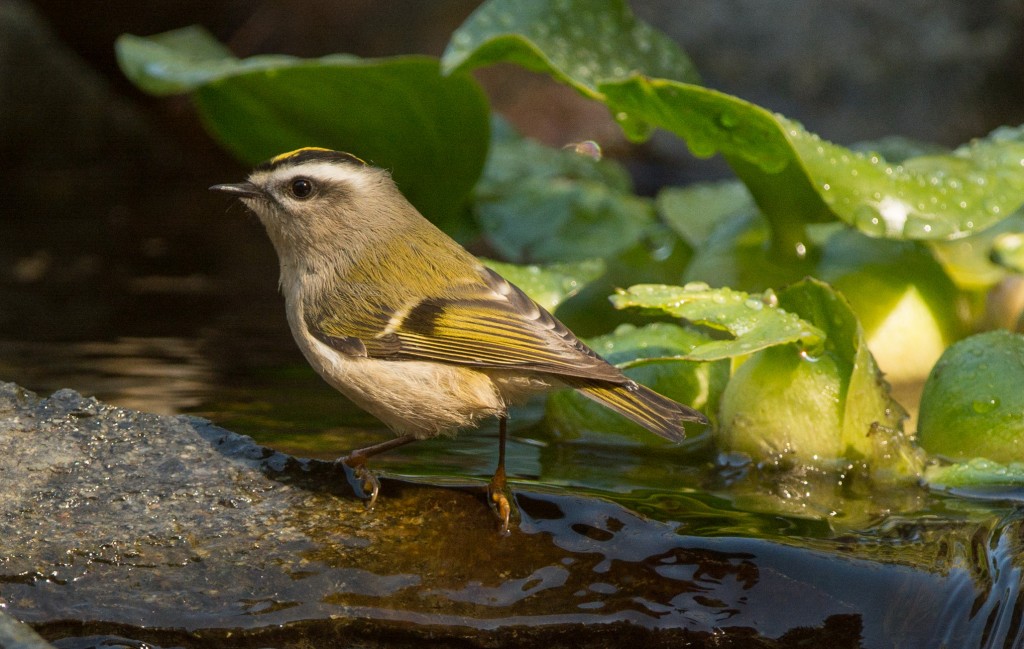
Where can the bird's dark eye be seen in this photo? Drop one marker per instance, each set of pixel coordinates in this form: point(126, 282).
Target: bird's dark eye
point(301, 188)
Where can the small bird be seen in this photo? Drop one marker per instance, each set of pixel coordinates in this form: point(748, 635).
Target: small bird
point(411, 327)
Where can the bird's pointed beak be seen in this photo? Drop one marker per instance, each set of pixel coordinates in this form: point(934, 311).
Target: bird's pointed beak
point(243, 190)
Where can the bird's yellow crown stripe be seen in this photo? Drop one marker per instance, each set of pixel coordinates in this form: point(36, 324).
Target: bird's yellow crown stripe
point(284, 156)
point(309, 154)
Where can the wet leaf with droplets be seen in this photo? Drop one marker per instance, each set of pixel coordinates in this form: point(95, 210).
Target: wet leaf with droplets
point(695, 113)
point(972, 402)
point(930, 196)
point(578, 42)
point(752, 328)
point(822, 409)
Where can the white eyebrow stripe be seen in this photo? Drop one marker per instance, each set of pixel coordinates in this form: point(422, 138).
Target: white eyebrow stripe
point(317, 171)
point(326, 172)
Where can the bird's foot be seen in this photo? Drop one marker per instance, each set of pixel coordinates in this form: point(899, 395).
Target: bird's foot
point(501, 501)
point(363, 481)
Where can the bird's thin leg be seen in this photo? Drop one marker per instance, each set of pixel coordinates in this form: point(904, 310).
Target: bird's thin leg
point(356, 460)
point(497, 491)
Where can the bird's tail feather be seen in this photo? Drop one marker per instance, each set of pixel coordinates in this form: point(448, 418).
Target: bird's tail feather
point(660, 415)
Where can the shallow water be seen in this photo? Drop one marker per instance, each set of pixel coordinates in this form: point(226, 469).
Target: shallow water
point(178, 532)
point(951, 564)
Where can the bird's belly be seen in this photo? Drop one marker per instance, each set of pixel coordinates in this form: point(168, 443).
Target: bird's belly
point(411, 397)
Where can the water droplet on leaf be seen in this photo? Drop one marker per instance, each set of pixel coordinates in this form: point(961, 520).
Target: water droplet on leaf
point(981, 406)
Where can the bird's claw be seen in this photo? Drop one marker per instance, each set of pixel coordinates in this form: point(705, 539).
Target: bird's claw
point(363, 481)
point(499, 499)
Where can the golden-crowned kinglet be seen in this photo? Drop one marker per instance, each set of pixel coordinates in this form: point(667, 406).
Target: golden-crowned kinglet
point(407, 324)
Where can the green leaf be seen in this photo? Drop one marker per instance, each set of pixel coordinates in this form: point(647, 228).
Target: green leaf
point(709, 120)
point(401, 114)
point(1007, 245)
point(553, 221)
point(755, 322)
point(871, 424)
point(697, 210)
point(539, 204)
point(908, 306)
point(924, 197)
point(654, 355)
point(980, 261)
point(737, 251)
point(552, 284)
point(909, 309)
point(972, 401)
point(784, 405)
point(578, 42)
point(183, 60)
point(514, 159)
point(977, 472)
point(659, 256)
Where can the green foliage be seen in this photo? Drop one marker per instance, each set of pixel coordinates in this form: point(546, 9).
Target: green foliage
point(795, 176)
point(430, 130)
point(790, 170)
point(578, 42)
point(537, 204)
point(753, 322)
point(785, 405)
point(972, 401)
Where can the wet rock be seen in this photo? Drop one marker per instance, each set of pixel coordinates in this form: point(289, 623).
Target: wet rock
point(171, 531)
point(17, 635)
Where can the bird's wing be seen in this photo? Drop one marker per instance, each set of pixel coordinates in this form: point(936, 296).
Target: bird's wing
point(488, 324)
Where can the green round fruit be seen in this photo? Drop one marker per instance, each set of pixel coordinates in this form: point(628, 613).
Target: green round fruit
point(781, 404)
point(908, 306)
point(973, 401)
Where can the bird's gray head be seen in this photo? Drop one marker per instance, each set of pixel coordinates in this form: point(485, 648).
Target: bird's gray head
point(316, 200)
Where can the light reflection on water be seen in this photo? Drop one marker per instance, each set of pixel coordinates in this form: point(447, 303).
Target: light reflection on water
point(162, 375)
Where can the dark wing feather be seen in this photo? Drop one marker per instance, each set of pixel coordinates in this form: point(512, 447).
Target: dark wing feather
point(488, 324)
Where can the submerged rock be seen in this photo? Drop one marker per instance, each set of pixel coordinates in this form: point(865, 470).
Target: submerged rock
point(174, 532)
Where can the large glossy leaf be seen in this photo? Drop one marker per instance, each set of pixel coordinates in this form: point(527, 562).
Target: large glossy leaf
point(578, 42)
point(795, 176)
point(430, 130)
point(925, 197)
point(755, 322)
